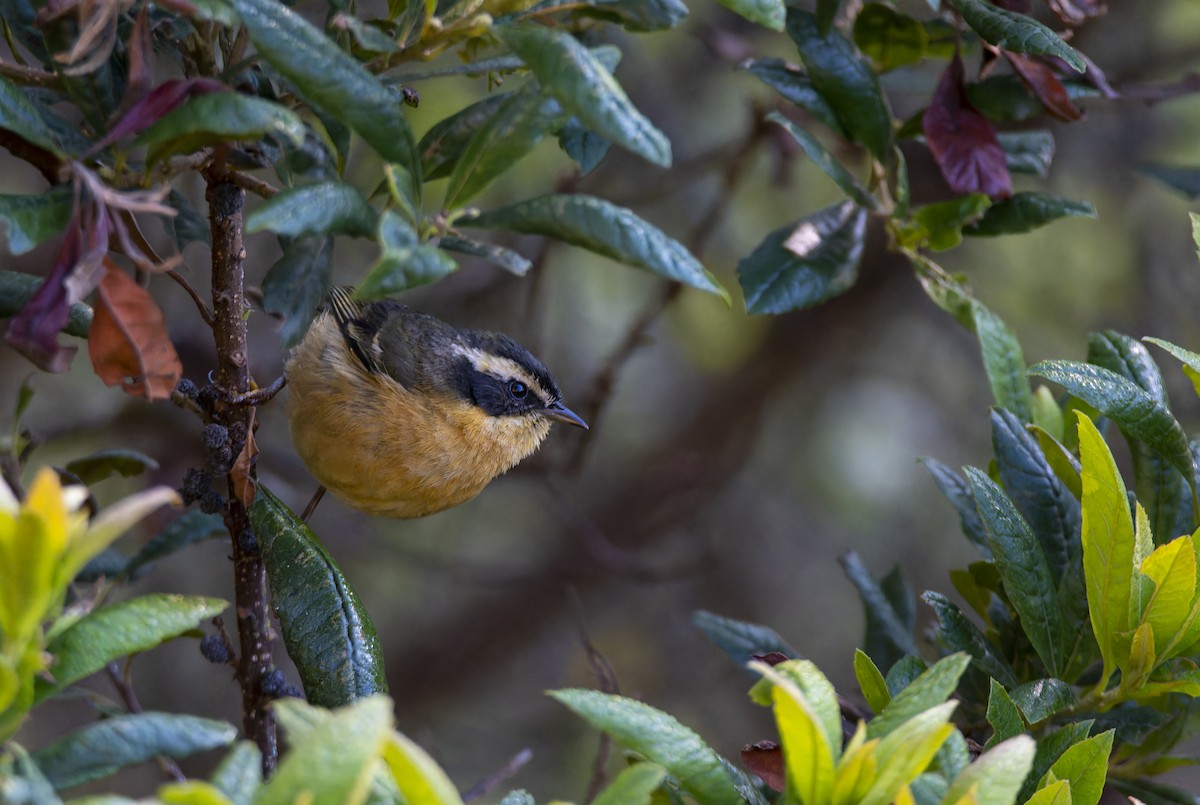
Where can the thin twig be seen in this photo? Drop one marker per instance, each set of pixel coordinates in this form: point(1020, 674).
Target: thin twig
point(205, 313)
point(29, 76)
point(253, 184)
point(606, 681)
point(125, 691)
point(312, 503)
point(496, 778)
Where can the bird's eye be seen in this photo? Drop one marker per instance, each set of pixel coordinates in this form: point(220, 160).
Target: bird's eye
point(517, 389)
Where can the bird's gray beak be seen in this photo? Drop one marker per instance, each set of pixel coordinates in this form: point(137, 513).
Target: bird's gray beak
point(560, 413)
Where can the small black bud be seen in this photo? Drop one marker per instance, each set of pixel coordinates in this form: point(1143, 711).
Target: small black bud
point(187, 388)
point(214, 649)
point(215, 436)
point(212, 502)
point(196, 484)
point(248, 542)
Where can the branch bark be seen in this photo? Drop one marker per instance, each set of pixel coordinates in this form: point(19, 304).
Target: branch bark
point(225, 200)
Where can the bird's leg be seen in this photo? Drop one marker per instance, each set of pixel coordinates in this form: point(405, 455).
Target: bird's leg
point(312, 504)
point(259, 395)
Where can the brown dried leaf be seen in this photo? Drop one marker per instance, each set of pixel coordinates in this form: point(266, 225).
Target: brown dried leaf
point(128, 343)
point(963, 141)
point(1044, 84)
point(765, 759)
point(242, 473)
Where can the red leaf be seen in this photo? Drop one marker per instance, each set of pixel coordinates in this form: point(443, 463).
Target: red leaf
point(164, 98)
point(765, 759)
point(771, 657)
point(77, 268)
point(128, 342)
point(1043, 83)
point(962, 140)
point(1076, 12)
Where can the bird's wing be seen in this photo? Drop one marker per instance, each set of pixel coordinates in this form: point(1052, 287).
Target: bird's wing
point(365, 326)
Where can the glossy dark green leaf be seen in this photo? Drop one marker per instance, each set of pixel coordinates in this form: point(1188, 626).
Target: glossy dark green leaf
point(888, 637)
point(888, 38)
point(824, 160)
point(1050, 747)
point(1016, 32)
point(36, 218)
point(767, 13)
point(1042, 698)
point(105, 463)
point(845, 80)
point(1028, 579)
point(1029, 151)
point(316, 209)
point(903, 672)
point(957, 633)
point(1185, 180)
point(101, 748)
point(405, 263)
point(659, 738)
point(805, 263)
point(930, 689)
point(239, 775)
point(580, 82)
point(1137, 412)
point(330, 78)
point(120, 629)
point(741, 640)
point(638, 15)
point(1004, 98)
point(193, 526)
point(219, 117)
point(327, 632)
point(509, 134)
point(900, 595)
point(582, 145)
point(20, 116)
point(510, 261)
point(793, 85)
point(1024, 212)
point(827, 11)
point(16, 289)
point(958, 492)
point(295, 284)
point(1004, 362)
point(604, 228)
point(445, 141)
point(1003, 715)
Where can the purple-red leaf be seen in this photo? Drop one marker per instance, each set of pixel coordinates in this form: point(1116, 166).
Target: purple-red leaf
point(765, 759)
point(164, 98)
point(77, 270)
point(962, 140)
point(1039, 77)
point(128, 342)
point(1076, 12)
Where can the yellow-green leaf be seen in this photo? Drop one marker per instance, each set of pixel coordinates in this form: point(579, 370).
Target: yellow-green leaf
point(1172, 568)
point(806, 750)
point(871, 681)
point(1058, 793)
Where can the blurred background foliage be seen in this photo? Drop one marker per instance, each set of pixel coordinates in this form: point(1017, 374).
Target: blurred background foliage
point(731, 459)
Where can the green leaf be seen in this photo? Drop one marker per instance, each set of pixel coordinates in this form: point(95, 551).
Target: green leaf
point(1024, 212)
point(659, 738)
point(1003, 361)
point(582, 145)
point(328, 633)
point(1185, 180)
point(888, 636)
point(510, 261)
point(330, 79)
point(818, 693)
point(21, 781)
point(928, 690)
point(604, 228)
point(295, 284)
point(805, 263)
point(1085, 766)
point(847, 83)
point(220, 117)
point(420, 780)
point(1027, 576)
point(1172, 568)
point(907, 751)
point(791, 83)
point(940, 225)
point(1191, 360)
point(957, 633)
point(104, 463)
point(508, 134)
point(239, 776)
point(123, 628)
point(871, 682)
point(997, 774)
point(16, 289)
point(808, 753)
point(1040, 699)
point(101, 748)
point(633, 786)
point(1016, 32)
point(959, 493)
point(193, 526)
point(331, 764)
point(22, 118)
point(824, 160)
point(1029, 151)
point(34, 219)
point(741, 640)
point(1004, 98)
point(890, 39)
point(442, 145)
point(316, 209)
point(1057, 793)
point(1137, 412)
point(1003, 715)
point(405, 262)
point(767, 13)
point(572, 74)
point(1049, 748)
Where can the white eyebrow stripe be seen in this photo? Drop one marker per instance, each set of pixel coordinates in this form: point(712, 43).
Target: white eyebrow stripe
point(506, 368)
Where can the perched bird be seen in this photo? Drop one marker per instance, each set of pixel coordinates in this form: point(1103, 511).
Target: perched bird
point(400, 414)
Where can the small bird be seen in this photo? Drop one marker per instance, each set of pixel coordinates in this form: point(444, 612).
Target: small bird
point(400, 414)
